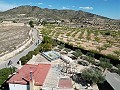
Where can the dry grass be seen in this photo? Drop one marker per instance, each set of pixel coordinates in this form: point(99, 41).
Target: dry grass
point(12, 37)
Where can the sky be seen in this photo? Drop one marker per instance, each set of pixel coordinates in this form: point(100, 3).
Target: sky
point(107, 8)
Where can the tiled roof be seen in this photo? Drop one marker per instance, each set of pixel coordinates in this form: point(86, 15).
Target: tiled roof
point(39, 73)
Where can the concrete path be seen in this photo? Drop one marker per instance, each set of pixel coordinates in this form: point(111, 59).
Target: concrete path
point(16, 58)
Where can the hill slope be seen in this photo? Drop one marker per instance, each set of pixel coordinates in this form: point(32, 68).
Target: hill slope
point(54, 13)
point(77, 17)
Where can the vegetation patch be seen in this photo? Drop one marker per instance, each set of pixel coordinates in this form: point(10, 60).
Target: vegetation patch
point(4, 74)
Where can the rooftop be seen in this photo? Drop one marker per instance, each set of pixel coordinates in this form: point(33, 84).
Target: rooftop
point(51, 55)
point(39, 73)
point(65, 83)
point(114, 80)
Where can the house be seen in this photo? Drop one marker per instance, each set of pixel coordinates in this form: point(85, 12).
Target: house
point(29, 77)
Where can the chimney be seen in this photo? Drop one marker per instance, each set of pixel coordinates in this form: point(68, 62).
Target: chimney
point(30, 75)
point(31, 81)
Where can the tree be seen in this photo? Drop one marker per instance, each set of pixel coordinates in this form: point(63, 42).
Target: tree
point(4, 73)
point(92, 75)
point(29, 56)
point(90, 54)
point(61, 46)
point(47, 47)
point(36, 51)
point(104, 59)
point(91, 60)
point(31, 24)
point(23, 60)
point(77, 53)
point(105, 65)
point(47, 39)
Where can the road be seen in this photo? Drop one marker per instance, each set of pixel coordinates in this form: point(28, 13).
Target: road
point(16, 58)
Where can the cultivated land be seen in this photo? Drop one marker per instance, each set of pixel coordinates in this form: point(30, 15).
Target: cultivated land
point(102, 41)
point(12, 37)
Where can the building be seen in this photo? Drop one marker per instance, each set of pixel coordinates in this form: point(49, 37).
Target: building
point(29, 77)
point(114, 80)
point(51, 55)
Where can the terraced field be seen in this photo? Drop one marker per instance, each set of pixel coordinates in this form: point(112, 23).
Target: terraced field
point(102, 41)
point(12, 37)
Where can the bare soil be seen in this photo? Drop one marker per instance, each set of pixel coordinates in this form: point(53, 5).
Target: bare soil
point(12, 37)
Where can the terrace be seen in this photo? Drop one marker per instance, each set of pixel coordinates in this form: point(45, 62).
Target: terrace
point(51, 55)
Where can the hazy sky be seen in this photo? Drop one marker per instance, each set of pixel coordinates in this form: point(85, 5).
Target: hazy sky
point(108, 8)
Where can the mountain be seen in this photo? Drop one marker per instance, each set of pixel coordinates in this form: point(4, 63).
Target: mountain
point(49, 13)
point(69, 15)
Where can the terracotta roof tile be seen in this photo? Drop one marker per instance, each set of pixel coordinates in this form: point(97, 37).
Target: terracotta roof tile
point(39, 73)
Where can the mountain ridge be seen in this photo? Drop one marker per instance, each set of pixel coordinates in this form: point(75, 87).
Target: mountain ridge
point(33, 9)
point(77, 17)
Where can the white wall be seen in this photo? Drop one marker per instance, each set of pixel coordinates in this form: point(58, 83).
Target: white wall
point(18, 87)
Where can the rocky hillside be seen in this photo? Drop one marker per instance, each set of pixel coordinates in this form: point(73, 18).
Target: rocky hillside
point(77, 17)
point(49, 13)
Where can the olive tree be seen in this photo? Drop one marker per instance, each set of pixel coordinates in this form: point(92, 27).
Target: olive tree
point(92, 75)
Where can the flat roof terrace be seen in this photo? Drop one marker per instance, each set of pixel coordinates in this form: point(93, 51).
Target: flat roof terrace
point(65, 83)
point(51, 55)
